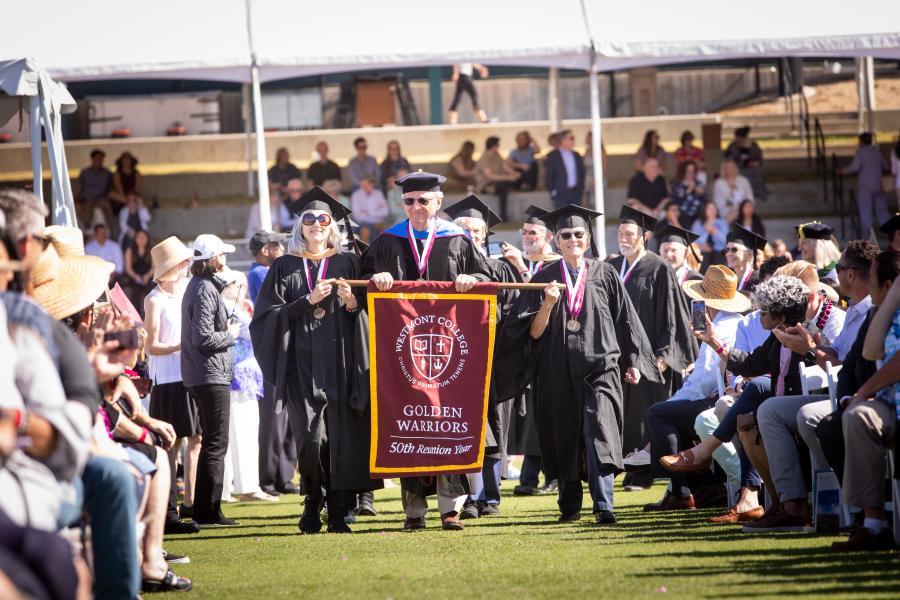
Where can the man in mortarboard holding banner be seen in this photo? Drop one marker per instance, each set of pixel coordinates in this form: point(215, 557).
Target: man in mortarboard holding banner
point(573, 346)
point(309, 337)
point(424, 247)
point(665, 316)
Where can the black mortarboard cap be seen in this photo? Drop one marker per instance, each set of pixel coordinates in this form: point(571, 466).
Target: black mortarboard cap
point(816, 231)
point(746, 237)
point(420, 181)
point(318, 199)
point(672, 233)
point(536, 215)
point(639, 218)
point(891, 225)
point(573, 215)
point(472, 206)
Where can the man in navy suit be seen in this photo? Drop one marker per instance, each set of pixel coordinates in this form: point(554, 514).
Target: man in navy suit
point(564, 172)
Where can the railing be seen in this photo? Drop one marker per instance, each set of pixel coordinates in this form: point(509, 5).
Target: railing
point(821, 158)
point(842, 208)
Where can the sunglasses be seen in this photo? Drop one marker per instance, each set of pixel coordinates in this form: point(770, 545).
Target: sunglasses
point(420, 199)
point(310, 219)
point(567, 235)
point(528, 232)
point(732, 250)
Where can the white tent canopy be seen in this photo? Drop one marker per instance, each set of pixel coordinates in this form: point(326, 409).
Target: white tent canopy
point(211, 39)
point(27, 89)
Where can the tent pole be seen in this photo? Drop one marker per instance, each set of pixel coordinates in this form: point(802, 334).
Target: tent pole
point(248, 130)
point(869, 69)
point(265, 211)
point(34, 125)
point(58, 205)
point(554, 114)
point(597, 159)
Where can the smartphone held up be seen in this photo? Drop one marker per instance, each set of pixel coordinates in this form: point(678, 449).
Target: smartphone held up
point(698, 315)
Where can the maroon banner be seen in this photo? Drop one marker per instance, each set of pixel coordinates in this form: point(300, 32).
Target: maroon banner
point(431, 352)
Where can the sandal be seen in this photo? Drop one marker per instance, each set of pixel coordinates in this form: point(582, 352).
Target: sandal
point(683, 462)
point(170, 583)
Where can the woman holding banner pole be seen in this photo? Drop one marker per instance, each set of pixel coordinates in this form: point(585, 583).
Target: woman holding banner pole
point(309, 337)
point(572, 344)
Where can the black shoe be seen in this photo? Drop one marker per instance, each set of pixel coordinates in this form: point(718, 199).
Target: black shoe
point(414, 524)
point(290, 488)
point(488, 509)
point(186, 512)
point(570, 518)
point(605, 517)
point(180, 527)
point(635, 482)
point(338, 526)
point(524, 490)
point(549, 488)
point(366, 506)
point(220, 522)
point(176, 559)
point(310, 521)
point(470, 511)
point(270, 490)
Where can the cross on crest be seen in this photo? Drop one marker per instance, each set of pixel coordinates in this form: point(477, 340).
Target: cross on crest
point(431, 354)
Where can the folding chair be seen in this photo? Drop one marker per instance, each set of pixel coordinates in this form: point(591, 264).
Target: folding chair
point(815, 378)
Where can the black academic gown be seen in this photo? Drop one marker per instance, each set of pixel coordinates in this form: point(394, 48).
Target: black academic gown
point(450, 256)
point(569, 370)
point(319, 368)
point(665, 316)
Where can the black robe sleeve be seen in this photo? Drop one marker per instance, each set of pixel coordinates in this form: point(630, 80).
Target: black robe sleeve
point(633, 343)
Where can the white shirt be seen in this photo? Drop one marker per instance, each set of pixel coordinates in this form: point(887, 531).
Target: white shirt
point(369, 209)
point(466, 69)
point(833, 326)
point(703, 381)
point(110, 251)
point(856, 315)
point(727, 199)
point(750, 333)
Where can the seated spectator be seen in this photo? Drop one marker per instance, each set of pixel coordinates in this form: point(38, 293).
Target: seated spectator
point(103, 247)
point(462, 166)
point(671, 423)
point(127, 180)
point(747, 218)
point(748, 156)
point(332, 187)
point(133, 217)
point(91, 191)
point(361, 165)
point(671, 214)
point(892, 230)
point(393, 161)
point(782, 419)
point(285, 218)
point(323, 169)
point(369, 207)
point(283, 171)
point(493, 175)
point(138, 270)
point(647, 189)
point(713, 233)
point(523, 159)
point(779, 248)
point(823, 317)
point(650, 148)
point(730, 189)
point(253, 218)
point(688, 192)
point(688, 151)
point(818, 247)
point(394, 197)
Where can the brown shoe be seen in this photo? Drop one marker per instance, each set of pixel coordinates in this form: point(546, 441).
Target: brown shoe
point(683, 462)
point(863, 540)
point(671, 502)
point(778, 520)
point(450, 522)
point(733, 516)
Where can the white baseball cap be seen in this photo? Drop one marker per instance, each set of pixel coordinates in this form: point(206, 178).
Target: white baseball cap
point(208, 245)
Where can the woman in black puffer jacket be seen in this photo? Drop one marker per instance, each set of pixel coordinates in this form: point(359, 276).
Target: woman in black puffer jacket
point(207, 337)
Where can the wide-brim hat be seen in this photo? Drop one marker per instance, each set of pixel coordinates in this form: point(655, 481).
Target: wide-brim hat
point(718, 289)
point(168, 254)
point(66, 285)
point(68, 241)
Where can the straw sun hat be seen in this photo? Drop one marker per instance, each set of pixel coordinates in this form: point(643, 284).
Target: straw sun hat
point(65, 285)
point(167, 255)
point(68, 241)
point(719, 290)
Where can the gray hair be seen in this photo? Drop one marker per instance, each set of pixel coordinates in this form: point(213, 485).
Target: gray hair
point(784, 296)
point(24, 212)
point(297, 245)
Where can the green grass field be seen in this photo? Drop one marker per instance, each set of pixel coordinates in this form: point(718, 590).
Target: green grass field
point(521, 553)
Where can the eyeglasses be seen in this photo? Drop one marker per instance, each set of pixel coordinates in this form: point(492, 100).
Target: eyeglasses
point(732, 250)
point(525, 232)
point(567, 235)
point(310, 219)
point(421, 200)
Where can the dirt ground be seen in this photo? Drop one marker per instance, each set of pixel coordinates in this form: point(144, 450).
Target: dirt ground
point(830, 97)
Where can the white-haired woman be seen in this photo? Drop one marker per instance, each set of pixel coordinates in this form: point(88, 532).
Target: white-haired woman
point(817, 246)
point(305, 332)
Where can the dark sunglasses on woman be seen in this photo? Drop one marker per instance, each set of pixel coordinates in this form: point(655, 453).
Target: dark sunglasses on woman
point(411, 201)
point(567, 235)
point(310, 219)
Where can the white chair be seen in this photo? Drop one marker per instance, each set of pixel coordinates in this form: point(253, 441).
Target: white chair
point(812, 378)
point(831, 375)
